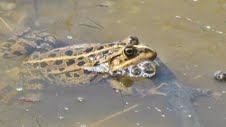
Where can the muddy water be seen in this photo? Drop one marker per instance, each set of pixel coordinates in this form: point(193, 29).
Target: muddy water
point(189, 36)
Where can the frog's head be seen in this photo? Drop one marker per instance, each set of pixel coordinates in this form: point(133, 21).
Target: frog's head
point(133, 60)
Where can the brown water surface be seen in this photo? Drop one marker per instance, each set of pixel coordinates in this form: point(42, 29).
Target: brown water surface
point(189, 36)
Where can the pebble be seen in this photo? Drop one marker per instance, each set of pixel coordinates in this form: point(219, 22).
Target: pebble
point(219, 75)
point(178, 17)
point(189, 116)
point(219, 32)
point(209, 107)
point(19, 89)
point(208, 27)
point(61, 117)
point(69, 37)
point(66, 108)
point(163, 115)
point(138, 124)
point(157, 109)
point(136, 111)
point(80, 99)
point(148, 107)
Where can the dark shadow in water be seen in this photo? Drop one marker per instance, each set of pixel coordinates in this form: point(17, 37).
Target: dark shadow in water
point(179, 97)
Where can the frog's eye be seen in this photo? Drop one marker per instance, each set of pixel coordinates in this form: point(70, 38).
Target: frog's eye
point(130, 51)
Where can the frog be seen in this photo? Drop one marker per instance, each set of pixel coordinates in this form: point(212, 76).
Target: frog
point(45, 58)
point(121, 63)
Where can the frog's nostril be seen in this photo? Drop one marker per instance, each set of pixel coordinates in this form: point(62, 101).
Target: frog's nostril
point(154, 55)
point(134, 40)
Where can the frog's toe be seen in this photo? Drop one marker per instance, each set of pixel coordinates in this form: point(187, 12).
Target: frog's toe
point(156, 90)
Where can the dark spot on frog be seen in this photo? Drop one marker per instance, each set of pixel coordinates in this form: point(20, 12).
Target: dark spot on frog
point(68, 53)
point(61, 69)
point(89, 49)
point(100, 47)
point(70, 62)
point(58, 62)
point(35, 65)
point(80, 58)
point(97, 63)
point(29, 49)
point(76, 75)
point(122, 43)
point(81, 63)
point(87, 72)
point(67, 74)
point(111, 44)
point(52, 55)
point(17, 53)
point(147, 50)
point(43, 64)
point(105, 52)
point(39, 42)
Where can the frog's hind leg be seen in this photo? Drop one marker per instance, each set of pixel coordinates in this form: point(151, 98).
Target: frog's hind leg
point(25, 43)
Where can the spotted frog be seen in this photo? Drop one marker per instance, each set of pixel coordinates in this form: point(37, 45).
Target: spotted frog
point(46, 58)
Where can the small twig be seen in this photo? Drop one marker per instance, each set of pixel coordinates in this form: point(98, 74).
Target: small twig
point(99, 122)
point(6, 24)
point(90, 26)
point(94, 22)
point(38, 123)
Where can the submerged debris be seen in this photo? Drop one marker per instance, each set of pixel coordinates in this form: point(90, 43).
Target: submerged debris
point(220, 76)
point(106, 4)
point(30, 98)
point(60, 117)
point(66, 108)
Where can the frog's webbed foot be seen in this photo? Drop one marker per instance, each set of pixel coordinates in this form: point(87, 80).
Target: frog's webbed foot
point(26, 42)
point(156, 91)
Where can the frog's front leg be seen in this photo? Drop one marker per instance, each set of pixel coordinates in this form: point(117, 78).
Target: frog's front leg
point(125, 87)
